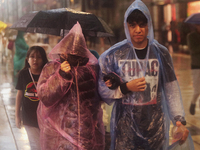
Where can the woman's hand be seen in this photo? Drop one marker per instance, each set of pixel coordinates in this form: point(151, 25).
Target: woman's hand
point(18, 121)
point(65, 66)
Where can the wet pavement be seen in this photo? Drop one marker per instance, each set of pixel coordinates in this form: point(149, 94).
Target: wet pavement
point(12, 138)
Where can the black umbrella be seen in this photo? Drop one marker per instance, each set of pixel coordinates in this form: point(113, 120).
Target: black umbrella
point(60, 21)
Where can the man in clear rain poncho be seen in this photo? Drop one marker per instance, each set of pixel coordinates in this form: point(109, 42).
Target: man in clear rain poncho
point(137, 75)
point(69, 112)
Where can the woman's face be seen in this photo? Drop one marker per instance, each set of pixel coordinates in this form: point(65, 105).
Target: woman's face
point(35, 60)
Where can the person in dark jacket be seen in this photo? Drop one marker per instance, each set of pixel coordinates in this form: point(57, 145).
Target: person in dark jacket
point(193, 39)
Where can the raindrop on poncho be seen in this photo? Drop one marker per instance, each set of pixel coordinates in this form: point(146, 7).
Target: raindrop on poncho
point(69, 112)
point(140, 120)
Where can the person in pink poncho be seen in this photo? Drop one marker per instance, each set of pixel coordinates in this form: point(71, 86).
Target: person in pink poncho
point(69, 112)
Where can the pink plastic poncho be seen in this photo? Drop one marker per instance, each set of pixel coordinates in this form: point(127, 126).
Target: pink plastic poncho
point(69, 112)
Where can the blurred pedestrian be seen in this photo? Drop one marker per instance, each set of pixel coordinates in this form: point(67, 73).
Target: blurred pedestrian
point(21, 49)
point(94, 52)
point(137, 75)
point(164, 34)
point(53, 40)
point(175, 36)
point(69, 112)
point(193, 41)
point(27, 94)
point(31, 38)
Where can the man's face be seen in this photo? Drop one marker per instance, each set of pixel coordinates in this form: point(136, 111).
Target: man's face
point(138, 33)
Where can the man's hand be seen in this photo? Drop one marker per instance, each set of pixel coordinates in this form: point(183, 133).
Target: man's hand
point(185, 132)
point(108, 83)
point(136, 85)
point(65, 66)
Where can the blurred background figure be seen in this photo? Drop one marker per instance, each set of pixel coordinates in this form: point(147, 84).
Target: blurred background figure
point(3, 46)
point(11, 36)
point(21, 48)
point(31, 38)
point(193, 40)
point(175, 35)
point(164, 30)
point(53, 40)
point(184, 29)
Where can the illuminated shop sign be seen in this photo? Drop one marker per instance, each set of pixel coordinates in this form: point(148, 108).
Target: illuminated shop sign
point(193, 7)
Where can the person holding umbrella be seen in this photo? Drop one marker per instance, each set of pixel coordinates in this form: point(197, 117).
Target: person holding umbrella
point(137, 74)
point(193, 43)
point(69, 112)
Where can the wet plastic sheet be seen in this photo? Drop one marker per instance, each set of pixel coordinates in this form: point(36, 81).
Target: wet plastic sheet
point(140, 120)
point(184, 146)
point(69, 112)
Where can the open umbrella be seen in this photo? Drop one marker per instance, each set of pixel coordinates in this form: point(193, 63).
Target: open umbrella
point(193, 19)
point(2, 26)
point(60, 21)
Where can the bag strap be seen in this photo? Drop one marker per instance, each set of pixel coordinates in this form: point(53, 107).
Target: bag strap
point(32, 78)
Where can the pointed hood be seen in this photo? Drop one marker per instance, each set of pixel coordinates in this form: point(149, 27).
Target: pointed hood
point(73, 43)
point(138, 4)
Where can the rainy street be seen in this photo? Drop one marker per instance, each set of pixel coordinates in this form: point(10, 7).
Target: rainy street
point(13, 138)
point(183, 73)
point(99, 24)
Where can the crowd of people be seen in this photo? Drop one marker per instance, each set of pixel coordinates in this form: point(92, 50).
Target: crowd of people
point(62, 85)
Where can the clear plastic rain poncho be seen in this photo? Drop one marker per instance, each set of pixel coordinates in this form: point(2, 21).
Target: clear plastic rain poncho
point(141, 120)
point(69, 112)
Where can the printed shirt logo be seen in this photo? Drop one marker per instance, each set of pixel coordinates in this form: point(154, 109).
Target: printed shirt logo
point(130, 70)
point(31, 92)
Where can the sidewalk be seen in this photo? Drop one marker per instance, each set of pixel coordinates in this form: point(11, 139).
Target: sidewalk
point(11, 138)
point(6, 135)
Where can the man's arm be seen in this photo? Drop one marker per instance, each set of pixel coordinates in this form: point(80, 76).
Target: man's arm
point(112, 81)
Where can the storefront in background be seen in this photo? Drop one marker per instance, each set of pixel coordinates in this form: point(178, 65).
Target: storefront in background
point(193, 7)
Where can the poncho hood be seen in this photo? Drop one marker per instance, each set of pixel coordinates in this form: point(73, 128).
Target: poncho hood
point(138, 4)
point(73, 43)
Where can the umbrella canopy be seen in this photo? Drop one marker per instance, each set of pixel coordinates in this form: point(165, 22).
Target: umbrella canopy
point(60, 21)
point(193, 19)
point(2, 26)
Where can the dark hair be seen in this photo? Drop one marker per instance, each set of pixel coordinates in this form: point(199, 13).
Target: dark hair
point(36, 49)
point(136, 16)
